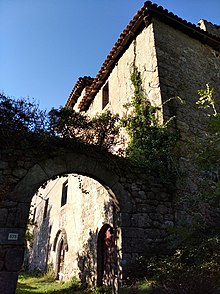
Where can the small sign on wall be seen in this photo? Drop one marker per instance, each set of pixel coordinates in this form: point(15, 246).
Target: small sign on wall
point(13, 236)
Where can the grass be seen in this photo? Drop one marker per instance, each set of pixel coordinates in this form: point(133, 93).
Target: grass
point(142, 287)
point(40, 284)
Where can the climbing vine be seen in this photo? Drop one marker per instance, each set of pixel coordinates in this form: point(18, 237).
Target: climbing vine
point(209, 149)
point(150, 142)
point(193, 259)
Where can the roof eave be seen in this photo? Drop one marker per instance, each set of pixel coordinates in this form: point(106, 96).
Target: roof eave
point(142, 19)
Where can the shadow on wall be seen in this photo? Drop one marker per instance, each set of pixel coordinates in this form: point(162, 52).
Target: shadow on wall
point(37, 249)
point(87, 260)
point(98, 259)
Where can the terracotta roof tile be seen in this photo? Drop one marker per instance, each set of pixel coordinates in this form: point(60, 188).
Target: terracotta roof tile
point(77, 89)
point(137, 23)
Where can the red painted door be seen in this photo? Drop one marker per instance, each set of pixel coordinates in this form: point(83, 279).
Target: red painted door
point(108, 257)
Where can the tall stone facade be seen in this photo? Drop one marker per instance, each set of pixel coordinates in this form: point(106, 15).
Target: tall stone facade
point(175, 58)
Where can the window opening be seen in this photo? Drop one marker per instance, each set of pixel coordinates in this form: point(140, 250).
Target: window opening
point(105, 95)
point(46, 207)
point(34, 214)
point(64, 193)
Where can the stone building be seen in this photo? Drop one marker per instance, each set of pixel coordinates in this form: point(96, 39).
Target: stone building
point(75, 214)
point(69, 215)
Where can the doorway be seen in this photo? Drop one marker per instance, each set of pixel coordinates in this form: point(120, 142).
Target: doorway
point(60, 260)
point(106, 256)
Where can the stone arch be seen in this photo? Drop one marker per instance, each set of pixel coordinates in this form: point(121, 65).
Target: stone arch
point(41, 172)
point(77, 163)
point(60, 234)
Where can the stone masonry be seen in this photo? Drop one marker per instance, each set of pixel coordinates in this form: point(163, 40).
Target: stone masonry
point(143, 205)
point(175, 58)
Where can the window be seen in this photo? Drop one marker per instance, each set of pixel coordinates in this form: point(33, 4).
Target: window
point(105, 95)
point(64, 193)
point(46, 207)
point(34, 215)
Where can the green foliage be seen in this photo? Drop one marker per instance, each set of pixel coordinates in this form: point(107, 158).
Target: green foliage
point(22, 118)
point(101, 130)
point(45, 283)
point(67, 122)
point(206, 99)
point(42, 284)
point(21, 115)
point(209, 155)
point(193, 268)
point(29, 236)
point(186, 271)
point(150, 142)
point(106, 129)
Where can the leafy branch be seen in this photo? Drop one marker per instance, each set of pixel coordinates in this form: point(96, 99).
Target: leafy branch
point(150, 142)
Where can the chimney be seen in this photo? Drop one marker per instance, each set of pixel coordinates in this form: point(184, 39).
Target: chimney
point(209, 27)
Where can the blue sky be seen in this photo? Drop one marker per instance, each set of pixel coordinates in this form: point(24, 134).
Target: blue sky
point(46, 45)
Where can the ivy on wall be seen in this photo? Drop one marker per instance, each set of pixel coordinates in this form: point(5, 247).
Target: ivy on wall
point(209, 150)
point(150, 141)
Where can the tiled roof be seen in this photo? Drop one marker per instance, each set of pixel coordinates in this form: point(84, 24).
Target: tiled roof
point(141, 19)
point(77, 89)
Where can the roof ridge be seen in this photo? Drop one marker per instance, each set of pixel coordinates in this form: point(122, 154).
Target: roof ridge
point(128, 34)
point(159, 8)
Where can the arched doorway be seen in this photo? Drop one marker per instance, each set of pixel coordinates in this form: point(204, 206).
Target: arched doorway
point(60, 247)
point(39, 173)
point(106, 256)
point(60, 260)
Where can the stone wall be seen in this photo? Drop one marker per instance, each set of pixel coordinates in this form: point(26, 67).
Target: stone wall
point(185, 66)
point(142, 207)
point(144, 227)
point(209, 27)
point(141, 52)
point(141, 225)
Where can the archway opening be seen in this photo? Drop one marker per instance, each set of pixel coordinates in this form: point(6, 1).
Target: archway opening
point(61, 161)
point(76, 208)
